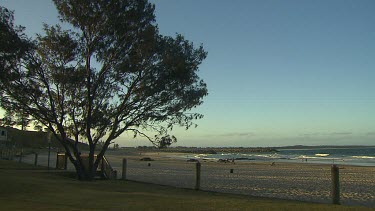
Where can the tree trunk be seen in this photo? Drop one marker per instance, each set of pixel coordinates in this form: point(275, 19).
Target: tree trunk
point(84, 172)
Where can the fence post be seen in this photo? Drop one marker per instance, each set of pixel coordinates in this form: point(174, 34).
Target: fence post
point(66, 161)
point(36, 159)
point(124, 164)
point(57, 160)
point(49, 153)
point(10, 157)
point(113, 174)
point(197, 176)
point(21, 156)
point(335, 184)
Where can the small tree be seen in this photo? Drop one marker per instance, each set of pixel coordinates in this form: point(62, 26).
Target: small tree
point(112, 73)
point(116, 146)
point(166, 141)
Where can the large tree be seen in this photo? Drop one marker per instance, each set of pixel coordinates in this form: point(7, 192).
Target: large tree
point(14, 46)
point(111, 73)
point(13, 42)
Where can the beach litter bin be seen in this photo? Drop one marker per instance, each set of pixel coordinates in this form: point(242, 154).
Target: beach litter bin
point(61, 161)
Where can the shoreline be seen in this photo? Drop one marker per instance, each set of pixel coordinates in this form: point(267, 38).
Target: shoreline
point(283, 180)
point(209, 150)
point(186, 156)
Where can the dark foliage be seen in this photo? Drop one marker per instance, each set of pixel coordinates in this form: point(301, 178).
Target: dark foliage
point(112, 73)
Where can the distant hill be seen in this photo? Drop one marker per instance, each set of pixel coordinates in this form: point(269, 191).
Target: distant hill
point(33, 139)
point(323, 146)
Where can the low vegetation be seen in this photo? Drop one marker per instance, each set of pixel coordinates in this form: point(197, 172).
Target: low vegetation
point(33, 139)
point(25, 187)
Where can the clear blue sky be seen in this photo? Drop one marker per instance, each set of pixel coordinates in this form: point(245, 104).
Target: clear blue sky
point(278, 72)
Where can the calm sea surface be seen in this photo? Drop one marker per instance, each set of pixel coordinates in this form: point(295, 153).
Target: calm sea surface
point(364, 156)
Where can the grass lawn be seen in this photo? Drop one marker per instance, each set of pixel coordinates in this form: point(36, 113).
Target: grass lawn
point(24, 187)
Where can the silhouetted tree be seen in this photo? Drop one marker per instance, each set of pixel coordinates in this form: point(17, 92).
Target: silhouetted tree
point(16, 119)
point(38, 128)
point(116, 146)
point(166, 141)
point(14, 44)
point(112, 73)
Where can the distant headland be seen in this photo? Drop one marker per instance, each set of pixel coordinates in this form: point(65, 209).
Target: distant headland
point(211, 150)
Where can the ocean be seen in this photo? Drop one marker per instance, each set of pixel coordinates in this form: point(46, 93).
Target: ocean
point(358, 156)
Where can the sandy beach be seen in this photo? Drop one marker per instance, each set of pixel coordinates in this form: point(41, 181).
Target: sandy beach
point(297, 181)
point(283, 180)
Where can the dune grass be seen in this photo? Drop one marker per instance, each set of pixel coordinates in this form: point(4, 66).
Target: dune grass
point(24, 187)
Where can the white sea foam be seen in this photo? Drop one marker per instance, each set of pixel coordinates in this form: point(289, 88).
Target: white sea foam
point(322, 155)
point(200, 156)
point(309, 157)
point(363, 157)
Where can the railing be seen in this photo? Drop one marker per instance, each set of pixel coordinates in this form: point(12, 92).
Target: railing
point(104, 170)
point(107, 170)
point(7, 154)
